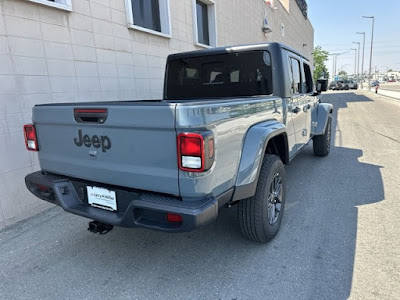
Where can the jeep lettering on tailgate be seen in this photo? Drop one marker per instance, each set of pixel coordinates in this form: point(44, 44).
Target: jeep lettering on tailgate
point(104, 141)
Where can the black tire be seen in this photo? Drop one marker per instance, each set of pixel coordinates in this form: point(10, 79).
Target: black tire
point(259, 217)
point(346, 87)
point(322, 143)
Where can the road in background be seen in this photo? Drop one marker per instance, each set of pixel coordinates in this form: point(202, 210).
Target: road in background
point(390, 86)
point(339, 236)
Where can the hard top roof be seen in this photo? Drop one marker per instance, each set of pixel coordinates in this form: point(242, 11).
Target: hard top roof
point(233, 49)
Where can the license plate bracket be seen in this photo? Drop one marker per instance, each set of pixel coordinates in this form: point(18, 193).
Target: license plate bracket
point(102, 198)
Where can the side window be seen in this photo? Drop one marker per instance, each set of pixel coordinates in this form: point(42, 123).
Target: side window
point(216, 77)
point(191, 73)
point(235, 76)
point(295, 76)
point(309, 81)
point(188, 76)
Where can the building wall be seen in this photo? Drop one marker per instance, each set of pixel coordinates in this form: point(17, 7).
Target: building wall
point(48, 55)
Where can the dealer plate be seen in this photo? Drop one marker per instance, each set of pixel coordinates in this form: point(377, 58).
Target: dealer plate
point(102, 198)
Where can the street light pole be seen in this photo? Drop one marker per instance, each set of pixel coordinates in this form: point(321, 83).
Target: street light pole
point(358, 59)
point(333, 67)
point(334, 56)
point(355, 60)
point(362, 66)
point(334, 60)
point(372, 44)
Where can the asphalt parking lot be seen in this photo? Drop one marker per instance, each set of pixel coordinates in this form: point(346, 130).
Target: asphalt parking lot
point(339, 238)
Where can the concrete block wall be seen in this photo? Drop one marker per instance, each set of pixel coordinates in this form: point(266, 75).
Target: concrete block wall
point(48, 55)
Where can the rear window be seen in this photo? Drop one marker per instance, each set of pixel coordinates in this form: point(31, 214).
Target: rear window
point(223, 75)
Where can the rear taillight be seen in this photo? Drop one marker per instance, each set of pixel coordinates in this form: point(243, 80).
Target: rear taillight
point(195, 151)
point(30, 138)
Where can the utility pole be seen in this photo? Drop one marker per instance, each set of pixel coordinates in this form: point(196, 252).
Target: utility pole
point(362, 65)
point(358, 59)
point(355, 61)
point(372, 44)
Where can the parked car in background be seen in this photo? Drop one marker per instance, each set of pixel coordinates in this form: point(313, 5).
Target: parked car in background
point(336, 85)
point(349, 84)
point(332, 85)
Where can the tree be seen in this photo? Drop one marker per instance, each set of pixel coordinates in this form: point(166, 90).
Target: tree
point(390, 70)
point(320, 58)
point(343, 74)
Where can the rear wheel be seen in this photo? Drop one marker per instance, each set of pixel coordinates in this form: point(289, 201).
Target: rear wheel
point(346, 87)
point(322, 143)
point(261, 215)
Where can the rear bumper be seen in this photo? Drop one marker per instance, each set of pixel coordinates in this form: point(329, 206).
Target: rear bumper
point(135, 208)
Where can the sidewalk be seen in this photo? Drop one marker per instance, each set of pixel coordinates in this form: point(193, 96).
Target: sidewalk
point(391, 94)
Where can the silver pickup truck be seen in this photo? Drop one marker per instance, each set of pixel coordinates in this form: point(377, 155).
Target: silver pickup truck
point(229, 121)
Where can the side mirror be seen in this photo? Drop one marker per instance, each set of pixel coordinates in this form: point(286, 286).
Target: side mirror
point(319, 88)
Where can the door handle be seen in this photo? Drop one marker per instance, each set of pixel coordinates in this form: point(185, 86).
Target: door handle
point(306, 107)
point(296, 110)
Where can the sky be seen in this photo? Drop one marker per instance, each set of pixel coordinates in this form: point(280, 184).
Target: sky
point(336, 22)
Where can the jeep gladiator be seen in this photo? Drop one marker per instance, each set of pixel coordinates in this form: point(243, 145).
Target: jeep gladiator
point(229, 120)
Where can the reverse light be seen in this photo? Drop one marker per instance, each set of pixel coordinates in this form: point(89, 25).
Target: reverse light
point(195, 151)
point(191, 162)
point(30, 138)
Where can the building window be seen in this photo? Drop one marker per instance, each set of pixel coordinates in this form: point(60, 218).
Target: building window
point(149, 15)
point(204, 23)
point(303, 7)
point(203, 32)
point(285, 4)
point(61, 4)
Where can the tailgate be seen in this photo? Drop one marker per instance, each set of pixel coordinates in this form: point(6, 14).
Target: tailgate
point(131, 144)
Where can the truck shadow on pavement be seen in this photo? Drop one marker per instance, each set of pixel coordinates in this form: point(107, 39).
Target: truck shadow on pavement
point(312, 257)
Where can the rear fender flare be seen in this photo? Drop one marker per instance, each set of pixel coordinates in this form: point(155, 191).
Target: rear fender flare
point(254, 146)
